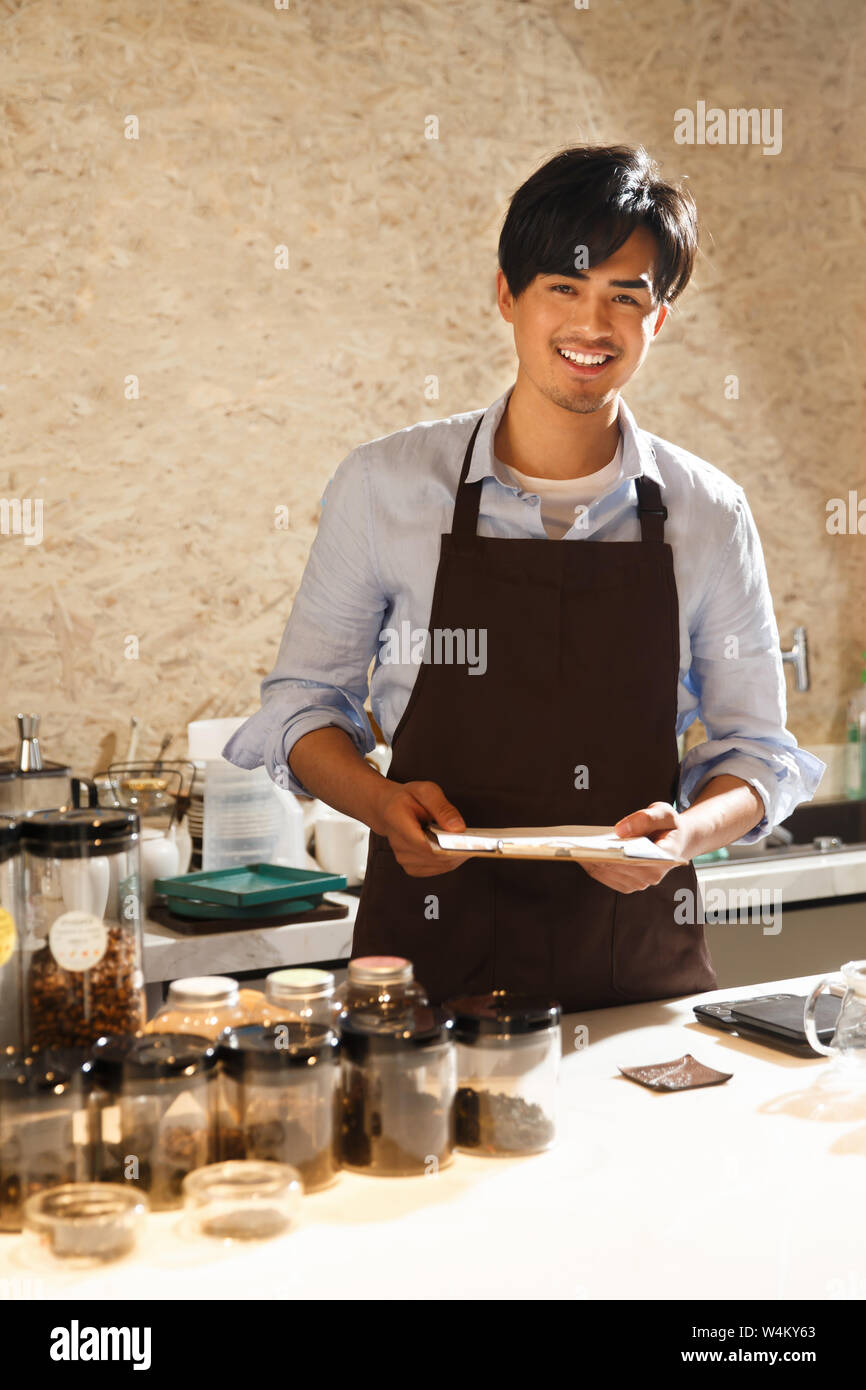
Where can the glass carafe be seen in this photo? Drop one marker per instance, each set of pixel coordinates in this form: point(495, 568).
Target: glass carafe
point(849, 1039)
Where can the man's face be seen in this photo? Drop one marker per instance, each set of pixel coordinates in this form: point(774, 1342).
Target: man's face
point(608, 310)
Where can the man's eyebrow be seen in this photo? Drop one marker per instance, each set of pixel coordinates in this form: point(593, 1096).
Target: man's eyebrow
point(643, 283)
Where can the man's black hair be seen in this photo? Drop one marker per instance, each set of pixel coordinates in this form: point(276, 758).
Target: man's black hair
point(594, 196)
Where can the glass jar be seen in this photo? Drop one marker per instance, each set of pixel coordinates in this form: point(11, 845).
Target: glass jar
point(399, 1077)
point(382, 984)
point(301, 995)
point(82, 926)
point(85, 1223)
point(508, 1051)
point(11, 1002)
point(45, 1132)
point(279, 1098)
point(242, 1200)
point(206, 1006)
point(157, 1107)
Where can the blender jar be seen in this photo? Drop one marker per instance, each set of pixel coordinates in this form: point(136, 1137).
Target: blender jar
point(279, 1098)
point(11, 1028)
point(82, 926)
point(399, 1076)
point(157, 1111)
point(508, 1052)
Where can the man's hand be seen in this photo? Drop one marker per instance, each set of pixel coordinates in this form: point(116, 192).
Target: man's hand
point(661, 824)
point(408, 807)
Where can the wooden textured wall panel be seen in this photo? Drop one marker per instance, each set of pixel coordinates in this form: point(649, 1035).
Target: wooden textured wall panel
point(166, 386)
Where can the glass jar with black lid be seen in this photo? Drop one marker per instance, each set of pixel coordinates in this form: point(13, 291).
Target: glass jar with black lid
point(385, 985)
point(279, 1098)
point(46, 1137)
point(399, 1076)
point(82, 920)
point(508, 1054)
point(11, 1000)
point(157, 1111)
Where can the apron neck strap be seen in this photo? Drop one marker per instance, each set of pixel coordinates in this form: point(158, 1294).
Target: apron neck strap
point(650, 510)
point(465, 523)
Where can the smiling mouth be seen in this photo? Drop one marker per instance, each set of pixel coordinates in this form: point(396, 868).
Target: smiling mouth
point(585, 364)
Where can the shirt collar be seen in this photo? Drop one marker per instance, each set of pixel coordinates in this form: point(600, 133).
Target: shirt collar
point(638, 456)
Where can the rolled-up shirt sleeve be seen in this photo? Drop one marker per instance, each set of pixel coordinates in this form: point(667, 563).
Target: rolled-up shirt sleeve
point(739, 678)
point(320, 676)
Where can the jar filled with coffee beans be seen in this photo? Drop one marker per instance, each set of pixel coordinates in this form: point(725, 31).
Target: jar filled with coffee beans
point(508, 1053)
point(279, 1098)
point(82, 925)
point(157, 1111)
point(46, 1137)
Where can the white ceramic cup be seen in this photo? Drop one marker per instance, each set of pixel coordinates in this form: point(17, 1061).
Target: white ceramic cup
point(160, 858)
point(341, 845)
point(84, 884)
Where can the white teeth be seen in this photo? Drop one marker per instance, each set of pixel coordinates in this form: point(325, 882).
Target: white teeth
point(584, 359)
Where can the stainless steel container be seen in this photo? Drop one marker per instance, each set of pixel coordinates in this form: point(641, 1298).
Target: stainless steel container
point(29, 783)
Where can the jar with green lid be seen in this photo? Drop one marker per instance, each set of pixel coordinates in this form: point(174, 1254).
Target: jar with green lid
point(301, 995)
point(399, 1078)
point(279, 1098)
point(11, 982)
point(508, 1053)
point(384, 985)
point(157, 1111)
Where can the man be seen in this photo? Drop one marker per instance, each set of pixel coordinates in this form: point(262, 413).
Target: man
point(596, 589)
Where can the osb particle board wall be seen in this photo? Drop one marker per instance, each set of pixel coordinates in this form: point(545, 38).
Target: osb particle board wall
point(166, 386)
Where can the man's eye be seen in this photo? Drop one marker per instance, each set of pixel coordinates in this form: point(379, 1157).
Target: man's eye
point(563, 287)
point(627, 297)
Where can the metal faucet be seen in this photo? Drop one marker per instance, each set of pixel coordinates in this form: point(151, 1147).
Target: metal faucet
point(799, 658)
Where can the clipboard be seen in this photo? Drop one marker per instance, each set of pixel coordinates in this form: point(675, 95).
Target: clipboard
point(589, 843)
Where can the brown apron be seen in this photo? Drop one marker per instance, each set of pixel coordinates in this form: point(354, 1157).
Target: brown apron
point(582, 672)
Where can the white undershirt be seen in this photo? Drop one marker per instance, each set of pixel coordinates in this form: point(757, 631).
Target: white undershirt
point(560, 497)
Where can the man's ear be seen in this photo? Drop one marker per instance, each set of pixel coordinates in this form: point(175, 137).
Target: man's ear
point(504, 297)
point(662, 315)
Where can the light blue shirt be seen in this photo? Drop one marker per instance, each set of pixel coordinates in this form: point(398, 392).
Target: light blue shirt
point(373, 564)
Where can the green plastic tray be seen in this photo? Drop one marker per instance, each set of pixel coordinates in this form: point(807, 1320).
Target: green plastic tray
point(249, 885)
point(218, 912)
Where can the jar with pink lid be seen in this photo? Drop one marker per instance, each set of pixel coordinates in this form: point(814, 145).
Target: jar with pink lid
point(383, 985)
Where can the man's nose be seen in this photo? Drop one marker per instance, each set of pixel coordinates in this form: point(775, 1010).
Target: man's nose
point(590, 319)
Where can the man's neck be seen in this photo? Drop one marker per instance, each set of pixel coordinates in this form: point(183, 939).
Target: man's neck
point(544, 440)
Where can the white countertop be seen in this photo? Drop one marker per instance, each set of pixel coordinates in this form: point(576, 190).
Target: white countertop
point(171, 955)
point(750, 1189)
point(795, 878)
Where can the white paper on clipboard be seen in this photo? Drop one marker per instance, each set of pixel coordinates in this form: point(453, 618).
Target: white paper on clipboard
point(583, 840)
